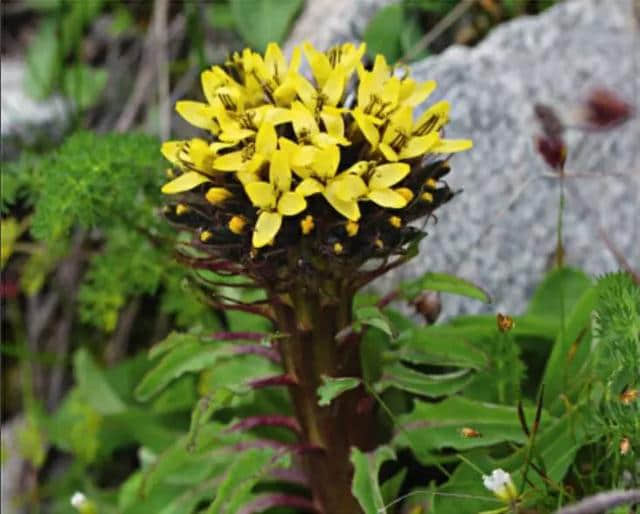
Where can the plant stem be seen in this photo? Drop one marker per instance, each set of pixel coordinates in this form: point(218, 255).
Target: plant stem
point(311, 318)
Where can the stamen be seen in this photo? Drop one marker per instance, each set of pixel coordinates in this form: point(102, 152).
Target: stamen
point(248, 152)
point(395, 221)
point(352, 228)
point(338, 248)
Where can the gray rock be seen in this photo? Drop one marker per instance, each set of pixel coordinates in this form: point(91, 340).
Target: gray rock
point(557, 58)
point(328, 22)
point(12, 466)
point(22, 119)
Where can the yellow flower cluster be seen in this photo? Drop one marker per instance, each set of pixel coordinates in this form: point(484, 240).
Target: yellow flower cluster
point(280, 141)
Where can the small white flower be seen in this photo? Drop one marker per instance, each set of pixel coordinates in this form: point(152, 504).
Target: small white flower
point(78, 500)
point(500, 484)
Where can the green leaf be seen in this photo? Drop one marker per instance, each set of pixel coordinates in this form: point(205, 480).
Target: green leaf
point(220, 16)
point(84, 84)
point(391, 487)
point(333, 387)
point(443, 283)
point(372, 316)
point(434, 426)
point(561, 285)
point(410, 37)
point(431, 385)
point(92, 382)
point(441, 346)
point(260, 22)
point(433, 6)
point(382, 34)
point(571, 348)
point(365, 485)
point(43, 61)
point(189, 357)
point(235, 490)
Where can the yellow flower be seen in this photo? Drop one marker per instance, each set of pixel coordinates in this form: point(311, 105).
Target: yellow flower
point(247, 161)
point(237, 124)
point(380, 178)
point(340, 190)
point(278, 78)
point(322, 103)
point(274, 199)
point(308, 131)
point(195, 155)
point(199, 114)
point(345, 58)
point(402, 139)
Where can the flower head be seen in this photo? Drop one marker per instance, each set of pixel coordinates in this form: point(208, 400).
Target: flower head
point(331, 164)
point(500, 484)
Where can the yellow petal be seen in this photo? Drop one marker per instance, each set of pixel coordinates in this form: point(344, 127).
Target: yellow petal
point(274, 60)
point(391, 91)
point(291, 203)
point(261, 194)
point(303, 121)
point(432, 119)
point(233, 134)
point(358, 168)
point(231, 161)
point(279, 171)
point(319, 63)
point(171, 149)
point(273, 115)
point(452, 146)
point(266, 229)
point(327, 162)
point(306, 91)
point(198, 114)
point(333, 122)
point(201, 155)
point(267, 139)
point(419, 145)
point(210, 83)
point(388, 152)
point(367, 127)
point(387, 175)
point(184, 182)
point(413, 93)
point(366, 87)
point(309, 186)
point(387, 198)
point(402, 120)
point(349, 209)
point(347, 187)
point(334, 87)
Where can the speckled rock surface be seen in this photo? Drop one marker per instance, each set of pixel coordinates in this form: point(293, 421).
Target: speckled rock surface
point(328, 22)
point(556, 58)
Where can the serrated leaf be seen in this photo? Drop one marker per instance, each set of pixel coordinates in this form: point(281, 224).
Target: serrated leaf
point(431, 385)
point(365, 486)
point(444, 283)
point(189, 357)
point(260, 22)
point(382, 34)
point(245, 471)
point(434, 426)
point(334, 387)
